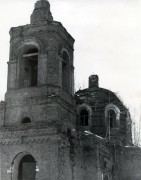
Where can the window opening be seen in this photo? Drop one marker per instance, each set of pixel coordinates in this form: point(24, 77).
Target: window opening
point(26, 120)
point(84, 118)
point(30, 74)
point(65, 72)
point(112, 118)
point(69, 132)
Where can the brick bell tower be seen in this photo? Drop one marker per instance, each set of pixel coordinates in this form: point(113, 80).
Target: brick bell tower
point(39, 107)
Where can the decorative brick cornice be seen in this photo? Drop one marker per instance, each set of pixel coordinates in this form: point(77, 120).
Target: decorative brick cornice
point(24, 140)
point(14, 133)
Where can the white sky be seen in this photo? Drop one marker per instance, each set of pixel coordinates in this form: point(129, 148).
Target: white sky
point(108, 42)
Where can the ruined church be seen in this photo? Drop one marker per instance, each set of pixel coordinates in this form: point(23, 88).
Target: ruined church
point(46, 131)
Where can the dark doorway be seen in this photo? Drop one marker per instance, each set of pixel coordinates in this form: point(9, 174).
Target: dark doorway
point(105, 177)
point(27, 168)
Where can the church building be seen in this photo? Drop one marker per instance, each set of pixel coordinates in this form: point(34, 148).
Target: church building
point(46, 131)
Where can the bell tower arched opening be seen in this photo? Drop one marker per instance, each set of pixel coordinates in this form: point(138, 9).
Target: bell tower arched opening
point(27, 168)
point(29, 67)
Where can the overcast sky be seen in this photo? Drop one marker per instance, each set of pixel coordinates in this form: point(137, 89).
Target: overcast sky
point(108, 42)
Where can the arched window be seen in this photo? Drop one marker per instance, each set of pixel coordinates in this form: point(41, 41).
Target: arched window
point(65, 72)
point(84, 117)
point(27, 168)
point(29, 67)
point(112, 118)
point(26, 120)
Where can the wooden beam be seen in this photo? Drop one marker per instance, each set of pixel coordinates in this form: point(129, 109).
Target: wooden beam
point(29, 55)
